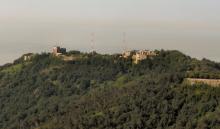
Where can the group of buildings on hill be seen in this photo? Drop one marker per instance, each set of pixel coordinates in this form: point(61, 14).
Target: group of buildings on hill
point(57, 51)
point(136, 55)
point(139, 55)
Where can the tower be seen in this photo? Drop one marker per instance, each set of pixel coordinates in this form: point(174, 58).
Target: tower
point(124, 40)
point(92, 42)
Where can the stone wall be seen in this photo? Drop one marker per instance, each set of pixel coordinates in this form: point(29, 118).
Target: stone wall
point(211, 82)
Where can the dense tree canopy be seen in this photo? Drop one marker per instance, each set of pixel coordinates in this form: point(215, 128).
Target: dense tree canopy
point(108, 92)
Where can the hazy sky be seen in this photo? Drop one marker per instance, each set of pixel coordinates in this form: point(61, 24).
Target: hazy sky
point(191, 26)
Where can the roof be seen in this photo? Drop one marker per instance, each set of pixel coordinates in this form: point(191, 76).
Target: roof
point(28, 54)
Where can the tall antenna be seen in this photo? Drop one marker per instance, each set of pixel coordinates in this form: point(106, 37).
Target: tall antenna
point(92, 41)
point(58, 43)
point(124, 41)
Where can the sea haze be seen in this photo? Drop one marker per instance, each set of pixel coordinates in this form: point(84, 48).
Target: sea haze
point(35, 26)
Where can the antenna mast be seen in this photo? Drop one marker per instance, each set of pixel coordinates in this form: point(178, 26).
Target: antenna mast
point(92, 41)
point(125, 41)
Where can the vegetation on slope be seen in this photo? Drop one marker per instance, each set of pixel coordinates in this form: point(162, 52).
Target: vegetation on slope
point(108, 92)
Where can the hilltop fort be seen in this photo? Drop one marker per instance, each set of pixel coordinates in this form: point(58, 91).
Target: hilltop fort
point(139, 55)
point(136, 55)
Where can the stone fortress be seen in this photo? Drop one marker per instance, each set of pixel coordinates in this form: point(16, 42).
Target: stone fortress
point(136, 55)
point(139, 55)
point(57, 50)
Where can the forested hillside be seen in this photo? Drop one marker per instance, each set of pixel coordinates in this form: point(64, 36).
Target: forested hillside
point(97, 91)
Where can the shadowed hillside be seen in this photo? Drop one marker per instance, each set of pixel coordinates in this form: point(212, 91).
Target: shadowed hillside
point(94, 91)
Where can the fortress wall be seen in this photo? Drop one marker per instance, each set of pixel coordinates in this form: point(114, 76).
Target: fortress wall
point(211, 82)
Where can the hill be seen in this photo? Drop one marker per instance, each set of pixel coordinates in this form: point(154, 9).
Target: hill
point(96, 91)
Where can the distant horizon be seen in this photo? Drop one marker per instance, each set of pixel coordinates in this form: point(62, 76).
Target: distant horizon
point(191, 27)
